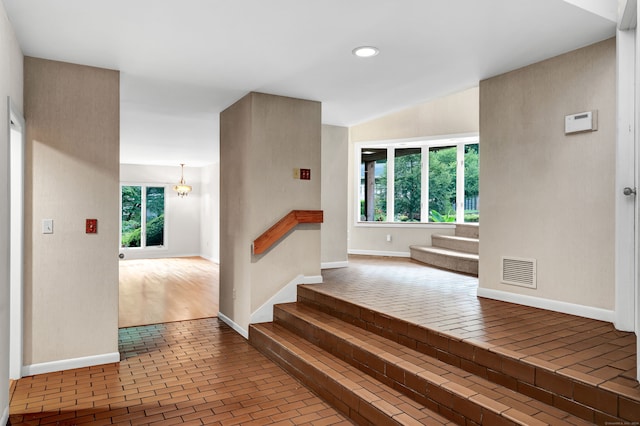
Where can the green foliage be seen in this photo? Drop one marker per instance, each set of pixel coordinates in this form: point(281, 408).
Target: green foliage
point(155, 231)
point(131, 203)
point(471, 171)
point(442, 179)
point(471, 217)
point(407, 187)
point(155, 234)
point(435, 216)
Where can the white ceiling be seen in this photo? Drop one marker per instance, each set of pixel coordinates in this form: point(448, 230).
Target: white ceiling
point(184, 61)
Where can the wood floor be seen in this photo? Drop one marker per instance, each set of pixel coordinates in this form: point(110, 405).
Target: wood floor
point(154, 291)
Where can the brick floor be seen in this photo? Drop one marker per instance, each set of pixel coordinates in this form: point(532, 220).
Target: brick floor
point(448, 302)
point(198, 372)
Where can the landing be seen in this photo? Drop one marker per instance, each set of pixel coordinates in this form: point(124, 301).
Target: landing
point(447, 302)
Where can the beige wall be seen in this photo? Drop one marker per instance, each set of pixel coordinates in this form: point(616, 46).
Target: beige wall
point(456, 114)
point(72, 150)
point(335, 152)
point(262, 139)
point(547, 195)
point(453, 114)
point(11, 83)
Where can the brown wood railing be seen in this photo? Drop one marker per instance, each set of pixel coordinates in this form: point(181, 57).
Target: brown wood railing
point(284, 225)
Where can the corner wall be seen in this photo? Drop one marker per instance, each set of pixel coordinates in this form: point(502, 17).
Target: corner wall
point(335, 154)
point(11, 84)
point(210, 212)
point(547, 195)
point(72, 173)
point(263, 138)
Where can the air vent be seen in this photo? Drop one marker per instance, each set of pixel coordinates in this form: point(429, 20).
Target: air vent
point(520, 272)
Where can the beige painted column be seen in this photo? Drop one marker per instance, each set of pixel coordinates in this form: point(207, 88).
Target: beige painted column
point(263, 138)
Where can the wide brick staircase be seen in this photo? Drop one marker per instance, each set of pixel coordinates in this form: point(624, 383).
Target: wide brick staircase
point(457, 252)
point(381, 370)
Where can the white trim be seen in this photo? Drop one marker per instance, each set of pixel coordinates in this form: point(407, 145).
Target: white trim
point(625, 245)
point(312, 279)
point(550, 305)
point(241, 331)
point(428, 225)
point(70, 364)
point(380, 253)
point(210, 259)
point(627, 15)
point(334, 265)
point(5, 416)
point(286, 294)
point(16, 240)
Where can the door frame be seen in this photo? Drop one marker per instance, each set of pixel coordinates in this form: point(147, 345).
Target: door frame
point(16, 239)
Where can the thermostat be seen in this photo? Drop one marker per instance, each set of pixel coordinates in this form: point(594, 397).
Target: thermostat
point(581, 122)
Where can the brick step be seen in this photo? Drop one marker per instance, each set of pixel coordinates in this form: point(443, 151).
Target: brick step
point(588, 397)
point(452, 392)
point(360, 397)
point(453, 242)
point(451, 260)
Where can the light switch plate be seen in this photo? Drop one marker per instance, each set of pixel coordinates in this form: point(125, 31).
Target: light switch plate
point(47, 226)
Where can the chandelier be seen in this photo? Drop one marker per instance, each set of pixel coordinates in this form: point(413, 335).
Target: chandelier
point(182, 188)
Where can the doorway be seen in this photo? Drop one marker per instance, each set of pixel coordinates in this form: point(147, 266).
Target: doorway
point(16, 237)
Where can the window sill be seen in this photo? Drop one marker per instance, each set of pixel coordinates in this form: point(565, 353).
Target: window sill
point(427, 225)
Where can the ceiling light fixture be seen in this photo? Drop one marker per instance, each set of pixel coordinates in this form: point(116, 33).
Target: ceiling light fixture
point(182, 188)
point(365, 51)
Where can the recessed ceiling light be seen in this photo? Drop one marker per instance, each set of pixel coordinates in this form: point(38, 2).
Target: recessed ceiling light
point(365, 51)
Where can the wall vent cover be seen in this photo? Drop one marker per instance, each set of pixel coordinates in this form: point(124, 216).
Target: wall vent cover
point(520, 272)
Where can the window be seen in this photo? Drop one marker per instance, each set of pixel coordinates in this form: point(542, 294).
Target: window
point(435, 181)
point(142, 216)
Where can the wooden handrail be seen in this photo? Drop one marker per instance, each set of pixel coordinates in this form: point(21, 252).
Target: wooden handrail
point(284, 225)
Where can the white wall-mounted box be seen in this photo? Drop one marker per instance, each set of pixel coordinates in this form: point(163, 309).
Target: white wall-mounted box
point(581, 122)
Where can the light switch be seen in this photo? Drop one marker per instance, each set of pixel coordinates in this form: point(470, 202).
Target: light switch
point(47, 226)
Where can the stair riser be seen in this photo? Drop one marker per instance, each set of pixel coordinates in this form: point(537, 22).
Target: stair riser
point(469, 231)
point(447, 402)
point(452, 244)
point(332, 391)
point(465, 266)
point(589, 402)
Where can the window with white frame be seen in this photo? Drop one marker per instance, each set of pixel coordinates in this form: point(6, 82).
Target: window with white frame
point(420, 182)
point(142, 220)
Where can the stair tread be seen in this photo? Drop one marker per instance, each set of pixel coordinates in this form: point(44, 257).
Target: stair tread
point(404, 410)
point(446, 252)
point(489, 395)
point(456, 238)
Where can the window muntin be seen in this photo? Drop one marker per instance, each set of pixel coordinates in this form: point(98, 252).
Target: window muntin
point(434, 181)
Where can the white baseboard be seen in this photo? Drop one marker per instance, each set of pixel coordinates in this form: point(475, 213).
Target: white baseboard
point(241, 331)
point(210, 259)
point(4, 419)
point(69, 364)
point(380, 253)
point(311, 279)
point(334, 265)
point(287, 294)
point(551, 305)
